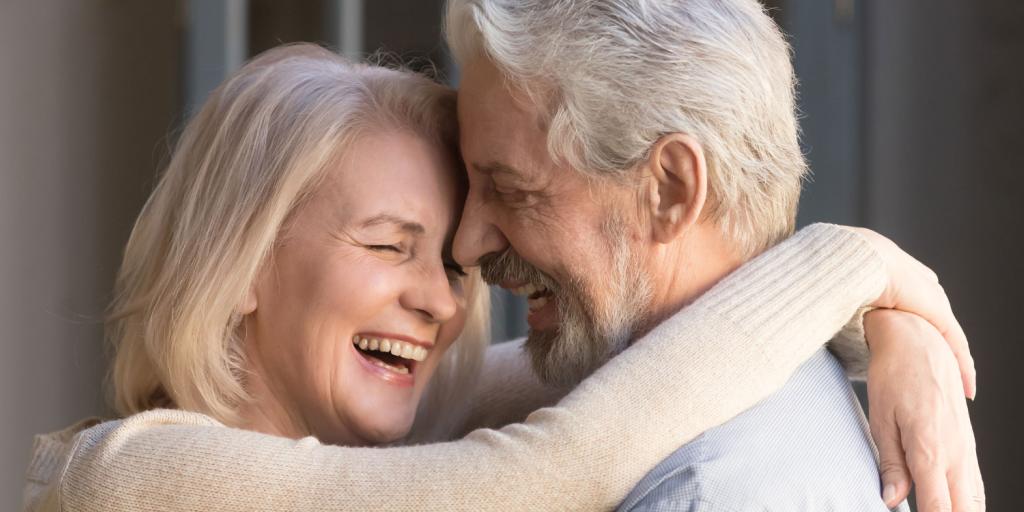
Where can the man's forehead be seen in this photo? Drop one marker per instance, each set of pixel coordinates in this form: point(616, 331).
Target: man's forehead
point(500, 132)
point(484, 93)
point(503, 153)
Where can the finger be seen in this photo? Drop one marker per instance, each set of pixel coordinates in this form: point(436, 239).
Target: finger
point(951, 330)
point(928, 464)
point(957, 340)
point(979, 484)
point(967, 489)
point(964, 493)
point(892, 461)
point(932, 489)
point(979, 494)
point(969, 374)
point(933, 305)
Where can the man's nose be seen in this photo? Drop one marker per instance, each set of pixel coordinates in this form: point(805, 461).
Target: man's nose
point(477, 234)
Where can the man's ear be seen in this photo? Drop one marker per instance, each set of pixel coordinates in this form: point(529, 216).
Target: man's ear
point(678, 187)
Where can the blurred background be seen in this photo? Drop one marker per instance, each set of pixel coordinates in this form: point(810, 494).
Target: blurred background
point(912, 115)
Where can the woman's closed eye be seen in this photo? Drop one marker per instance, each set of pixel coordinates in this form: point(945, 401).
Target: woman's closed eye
point(385, 248)
point(394, 253)
point(454, 271)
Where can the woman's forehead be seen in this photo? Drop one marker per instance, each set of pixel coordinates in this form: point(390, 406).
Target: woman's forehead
point(394, 180)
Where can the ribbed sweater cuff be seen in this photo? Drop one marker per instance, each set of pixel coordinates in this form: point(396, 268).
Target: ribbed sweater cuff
point(821, 260)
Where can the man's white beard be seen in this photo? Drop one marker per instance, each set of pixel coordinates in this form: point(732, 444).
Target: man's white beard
point(589, 330)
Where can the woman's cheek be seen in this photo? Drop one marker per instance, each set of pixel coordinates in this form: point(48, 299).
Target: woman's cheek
point(453, 327)
point(377, 282)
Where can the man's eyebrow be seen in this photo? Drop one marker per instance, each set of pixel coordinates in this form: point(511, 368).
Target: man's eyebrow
point(492, 168)
point(403, 224)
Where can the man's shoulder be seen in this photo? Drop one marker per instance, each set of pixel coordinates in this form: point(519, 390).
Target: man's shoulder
point(696, 479)
point(687, 482)
point(806, 447)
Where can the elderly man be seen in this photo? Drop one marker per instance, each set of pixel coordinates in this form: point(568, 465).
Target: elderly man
point(623, 156)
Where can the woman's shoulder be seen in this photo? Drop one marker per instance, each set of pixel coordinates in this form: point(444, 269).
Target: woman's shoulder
point(52, 452)
point(159, 417)
point(93, 430)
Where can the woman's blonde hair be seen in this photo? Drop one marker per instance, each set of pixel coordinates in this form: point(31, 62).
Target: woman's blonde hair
point(252, 154)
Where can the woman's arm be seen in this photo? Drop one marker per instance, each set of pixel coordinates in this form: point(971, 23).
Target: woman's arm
point(732, 347)
point(508, 389)
point(505, 391)
point(946, 475)
point(850, 347)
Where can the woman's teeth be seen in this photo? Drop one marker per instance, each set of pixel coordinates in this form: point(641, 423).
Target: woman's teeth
point(394, 347)
point(382, 364)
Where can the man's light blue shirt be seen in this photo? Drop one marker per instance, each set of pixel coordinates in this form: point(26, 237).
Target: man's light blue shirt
point(805, 448)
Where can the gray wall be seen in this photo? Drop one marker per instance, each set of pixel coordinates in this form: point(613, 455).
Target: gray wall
point(944, 107)
point(913, 115)
point(828, 59)
point(88, 90)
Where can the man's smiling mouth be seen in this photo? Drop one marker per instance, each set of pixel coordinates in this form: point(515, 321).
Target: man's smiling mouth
point(537, 295)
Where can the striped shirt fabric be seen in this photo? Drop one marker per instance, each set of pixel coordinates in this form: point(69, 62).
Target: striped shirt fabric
point(805, 448)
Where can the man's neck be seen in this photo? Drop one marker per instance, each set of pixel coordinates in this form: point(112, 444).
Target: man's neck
point(686, 268)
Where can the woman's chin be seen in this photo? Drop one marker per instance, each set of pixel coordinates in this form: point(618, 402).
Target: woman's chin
point(385, 432)
point(373, 410)
point(380, 421)
point(365, 433)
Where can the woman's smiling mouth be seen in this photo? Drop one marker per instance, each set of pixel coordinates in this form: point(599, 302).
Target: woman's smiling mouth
point(390, 358)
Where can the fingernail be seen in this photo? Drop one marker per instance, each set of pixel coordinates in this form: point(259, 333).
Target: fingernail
point(889, 494)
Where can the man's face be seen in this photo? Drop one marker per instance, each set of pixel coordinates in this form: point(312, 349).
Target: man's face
point(568, 242)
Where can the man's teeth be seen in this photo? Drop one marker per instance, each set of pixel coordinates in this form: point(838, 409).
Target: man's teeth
point(535, 304)
point(529, 289)
point(394, 347)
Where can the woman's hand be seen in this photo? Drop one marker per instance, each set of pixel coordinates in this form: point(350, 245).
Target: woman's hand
point(914, 288)
point(916, 409)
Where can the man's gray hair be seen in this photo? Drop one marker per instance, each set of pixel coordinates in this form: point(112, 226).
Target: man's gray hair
point(612, 76)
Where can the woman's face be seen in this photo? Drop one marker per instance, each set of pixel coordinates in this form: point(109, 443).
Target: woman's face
point(363, 267)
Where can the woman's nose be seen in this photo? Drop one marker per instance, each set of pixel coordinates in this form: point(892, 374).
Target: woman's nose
point(432, 296)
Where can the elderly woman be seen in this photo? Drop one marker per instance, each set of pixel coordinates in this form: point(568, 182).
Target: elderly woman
point(288, 294)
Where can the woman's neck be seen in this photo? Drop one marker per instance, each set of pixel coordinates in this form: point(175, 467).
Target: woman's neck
point(259, 416)
point(265, 412)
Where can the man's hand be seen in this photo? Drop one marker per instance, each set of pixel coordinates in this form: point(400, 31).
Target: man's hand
point(918, 415)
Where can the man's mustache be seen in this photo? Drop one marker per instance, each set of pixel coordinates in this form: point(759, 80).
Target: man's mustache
point(507, 265)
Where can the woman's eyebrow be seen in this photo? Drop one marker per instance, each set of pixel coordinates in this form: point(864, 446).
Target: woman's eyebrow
point(403, 224)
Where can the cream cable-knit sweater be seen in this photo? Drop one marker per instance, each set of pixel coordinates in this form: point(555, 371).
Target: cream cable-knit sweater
point(735, 345)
